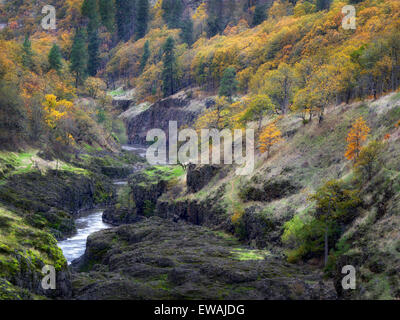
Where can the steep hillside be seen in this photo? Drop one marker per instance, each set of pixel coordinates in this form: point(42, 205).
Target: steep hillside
point(272, 209)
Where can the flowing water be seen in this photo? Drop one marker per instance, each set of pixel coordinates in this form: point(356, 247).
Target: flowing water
point(75, 246)
point(136, 149)
point(92, 221)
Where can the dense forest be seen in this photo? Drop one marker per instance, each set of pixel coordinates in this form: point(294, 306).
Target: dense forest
point(322, 99)
point(161, 49)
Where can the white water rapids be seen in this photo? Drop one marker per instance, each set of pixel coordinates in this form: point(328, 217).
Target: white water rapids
point(92, 221)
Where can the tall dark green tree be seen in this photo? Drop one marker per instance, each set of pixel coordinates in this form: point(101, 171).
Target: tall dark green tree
point(27, 53)
point(125, 18)
point(172, 13)
point(107, 13)
point(79, 57)
point(145, 56)
point(187, 31)
point(142, 18)
point(55, 58)
point(323, 4)
point(169, 71)
point(215, 21)
point(229, 84)
point(93, 47)
point(90, 10)
point(259, 14)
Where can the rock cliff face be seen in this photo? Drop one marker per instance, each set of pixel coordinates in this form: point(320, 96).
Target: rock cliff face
point(178, 107)
point(56, 195)
point(199, 176)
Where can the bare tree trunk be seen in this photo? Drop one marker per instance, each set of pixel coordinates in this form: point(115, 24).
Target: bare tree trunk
point(326, 246)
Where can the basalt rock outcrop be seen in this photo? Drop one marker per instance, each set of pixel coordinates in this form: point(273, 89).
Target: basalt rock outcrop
point(144, 189)
point(272, 189)
point(57, 189)
point(179, 107)
point(161, 259)
point(199, 176)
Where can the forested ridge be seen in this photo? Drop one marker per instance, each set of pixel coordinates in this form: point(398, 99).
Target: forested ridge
point(323, 101)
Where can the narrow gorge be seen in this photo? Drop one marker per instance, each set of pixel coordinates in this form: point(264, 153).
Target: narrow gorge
point(200, 150)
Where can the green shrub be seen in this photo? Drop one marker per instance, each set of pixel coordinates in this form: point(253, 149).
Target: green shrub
point(305, 233)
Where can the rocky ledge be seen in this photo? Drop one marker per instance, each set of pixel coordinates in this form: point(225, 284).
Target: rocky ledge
point(160, 259)
point(180, 107)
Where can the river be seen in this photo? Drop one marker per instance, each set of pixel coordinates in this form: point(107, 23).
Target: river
point(92, 221)
point(89, 223)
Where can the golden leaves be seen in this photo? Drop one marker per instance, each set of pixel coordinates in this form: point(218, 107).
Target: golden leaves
point(270, 136)
point(356, 136)
point(55, 110)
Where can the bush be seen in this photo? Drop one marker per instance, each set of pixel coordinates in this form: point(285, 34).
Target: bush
point(304, 234)
point(368, 162)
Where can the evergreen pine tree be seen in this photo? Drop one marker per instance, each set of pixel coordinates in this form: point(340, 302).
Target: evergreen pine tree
point(229, 84)
point(169, 68)
point(142, 18)
point(79, 57)
point(107, 13)
point(125, 18)
point(90, 10)
point(145, 56)
point(214, 17)
point(259, 15)
point(27, 53)
point(55, 58)
point(323, 4)
point(187, 31)
point(172, 13)
point(93, 47)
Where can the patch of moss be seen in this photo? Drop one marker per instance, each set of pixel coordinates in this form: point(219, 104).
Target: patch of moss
point(247, 254)
point(165, 172)
point(11, 292)
point(24, 247)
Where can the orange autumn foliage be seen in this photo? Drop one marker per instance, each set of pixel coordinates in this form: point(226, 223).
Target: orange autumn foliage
point(356, 136)
point(270, 136)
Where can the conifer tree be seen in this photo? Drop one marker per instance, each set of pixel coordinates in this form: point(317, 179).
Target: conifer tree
point(214, 17)
point(187, 31)
point(55, 58)
point(27, 53)
point(172, 12)
point(169, 72)
point(125, 18)
point(142, 18)
point(79, 57)
point(93, 47)
point(259, 15)
point(229, 84)
point(90, 10)
point(107, 13)
point(323, 4)
point(145, 56)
